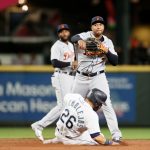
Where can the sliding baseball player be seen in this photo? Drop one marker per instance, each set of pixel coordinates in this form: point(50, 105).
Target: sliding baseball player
point(79, 122)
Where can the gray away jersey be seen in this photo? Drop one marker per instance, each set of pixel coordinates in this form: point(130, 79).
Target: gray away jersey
point(88, 63)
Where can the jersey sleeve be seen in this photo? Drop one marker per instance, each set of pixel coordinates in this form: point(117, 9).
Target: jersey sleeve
point(93, 125)
point(55, 52)
point(84, 35)
point(111, 47)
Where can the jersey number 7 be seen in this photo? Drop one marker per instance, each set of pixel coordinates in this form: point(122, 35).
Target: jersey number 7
point(70, 119)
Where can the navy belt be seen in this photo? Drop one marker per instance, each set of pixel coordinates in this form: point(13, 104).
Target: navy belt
point(90, 74)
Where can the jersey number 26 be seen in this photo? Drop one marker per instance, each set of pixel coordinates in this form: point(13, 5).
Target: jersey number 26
point(68, 119)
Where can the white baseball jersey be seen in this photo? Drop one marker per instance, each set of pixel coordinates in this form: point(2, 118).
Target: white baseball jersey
point(59, 49)
point(87, 63)
point(77, 114)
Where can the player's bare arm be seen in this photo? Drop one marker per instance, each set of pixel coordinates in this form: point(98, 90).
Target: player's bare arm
point(102, 140)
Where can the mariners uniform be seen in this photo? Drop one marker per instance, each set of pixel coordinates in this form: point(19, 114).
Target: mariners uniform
point(76, 115)
point(62, 80)
point(90, 74)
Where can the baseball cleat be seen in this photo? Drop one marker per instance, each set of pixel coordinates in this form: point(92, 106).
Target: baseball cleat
point(38, 131)
point(117, 139)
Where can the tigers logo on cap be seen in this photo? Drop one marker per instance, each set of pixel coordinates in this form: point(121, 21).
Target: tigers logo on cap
point(62, 26)
point(97, 18)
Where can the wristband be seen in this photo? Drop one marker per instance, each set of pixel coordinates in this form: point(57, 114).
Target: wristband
point(108, 142)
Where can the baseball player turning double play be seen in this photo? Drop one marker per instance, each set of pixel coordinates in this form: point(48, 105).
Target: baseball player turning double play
point(79, 122)
point(91, 65)
point(62, 58)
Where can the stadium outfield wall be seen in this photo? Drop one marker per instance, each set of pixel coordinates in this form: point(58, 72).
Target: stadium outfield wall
point(26, 94)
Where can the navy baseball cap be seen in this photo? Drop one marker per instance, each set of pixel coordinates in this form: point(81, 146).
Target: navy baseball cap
point(62, 27)
point(97, 19)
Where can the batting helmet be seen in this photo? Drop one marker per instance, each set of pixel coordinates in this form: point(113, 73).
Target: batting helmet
point(97, 97)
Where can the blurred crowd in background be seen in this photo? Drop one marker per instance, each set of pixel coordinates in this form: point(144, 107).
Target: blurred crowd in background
point(28, 28)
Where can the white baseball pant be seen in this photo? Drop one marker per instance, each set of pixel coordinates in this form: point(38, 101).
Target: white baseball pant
point(83, 139)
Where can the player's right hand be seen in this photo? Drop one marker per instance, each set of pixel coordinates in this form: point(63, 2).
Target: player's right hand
point(74, 65)
point(68, 54)
point(82, 44)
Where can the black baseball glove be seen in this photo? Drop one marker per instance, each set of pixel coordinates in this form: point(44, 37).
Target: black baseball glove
point(94, 47)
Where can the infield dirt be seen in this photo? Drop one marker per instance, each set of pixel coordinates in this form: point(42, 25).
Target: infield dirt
point(33, 144)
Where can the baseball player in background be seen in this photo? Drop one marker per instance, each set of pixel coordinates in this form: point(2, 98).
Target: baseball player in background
point(62, 58)
point(90, 72)
point(79, 122)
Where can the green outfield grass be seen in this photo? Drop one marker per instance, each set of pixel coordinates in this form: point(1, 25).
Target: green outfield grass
point(26, 132)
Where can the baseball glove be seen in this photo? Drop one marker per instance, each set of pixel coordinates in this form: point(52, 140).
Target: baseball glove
point(94, 47)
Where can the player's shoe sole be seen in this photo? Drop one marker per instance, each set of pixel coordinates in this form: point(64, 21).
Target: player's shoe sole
point(38, 131)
